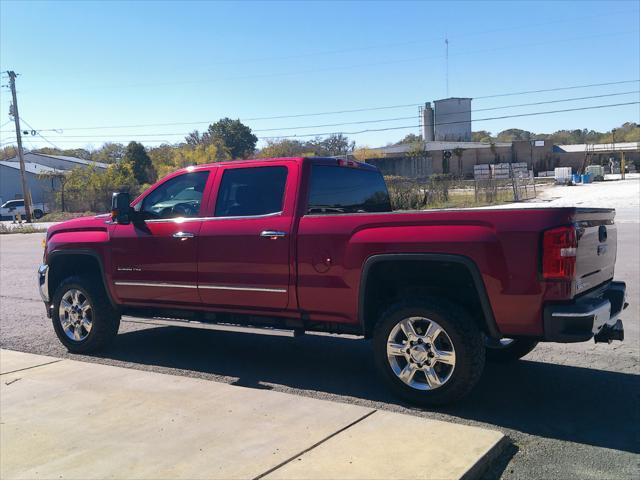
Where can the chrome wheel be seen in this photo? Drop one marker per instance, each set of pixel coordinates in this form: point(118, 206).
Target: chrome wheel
point(75, 314)
point(420, 353)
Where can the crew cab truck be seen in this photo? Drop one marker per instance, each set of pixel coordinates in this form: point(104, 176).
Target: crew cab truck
point(312, 244)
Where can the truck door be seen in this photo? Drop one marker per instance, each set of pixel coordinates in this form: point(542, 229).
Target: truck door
point(244, 250)
point(154, 257)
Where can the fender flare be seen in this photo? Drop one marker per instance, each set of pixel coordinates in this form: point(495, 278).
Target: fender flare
point(485, 304)
point(85, 252)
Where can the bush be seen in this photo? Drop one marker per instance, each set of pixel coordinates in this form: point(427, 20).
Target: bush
point(411, 194)
point(90, 189)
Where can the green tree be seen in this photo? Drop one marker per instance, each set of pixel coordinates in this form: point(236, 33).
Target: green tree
point(231, 135)
point(483, 136)
point(90, 188)
point(336, 144)
point(514, 134)
point(8, 152)
point(110, 152)
point(286, 148)
point(168, 158)
point(332, 145)
point(365, 153)
point(410, 138)
point(136, 157)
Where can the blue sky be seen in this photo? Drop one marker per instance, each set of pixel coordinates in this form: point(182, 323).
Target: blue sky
point(98, 64)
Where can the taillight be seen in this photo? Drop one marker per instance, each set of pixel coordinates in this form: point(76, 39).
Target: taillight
point(559, 246)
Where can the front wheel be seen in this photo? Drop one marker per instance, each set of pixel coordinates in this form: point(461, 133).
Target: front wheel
point(508, 349)
point(429, 351)
point(83, 318)
point(38, 214)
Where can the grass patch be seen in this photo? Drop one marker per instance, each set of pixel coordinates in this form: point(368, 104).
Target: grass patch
point(62, 216)
point(467, 199)
point(22, 228)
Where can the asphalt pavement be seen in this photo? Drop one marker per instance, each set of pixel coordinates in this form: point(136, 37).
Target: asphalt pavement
point(572, 411)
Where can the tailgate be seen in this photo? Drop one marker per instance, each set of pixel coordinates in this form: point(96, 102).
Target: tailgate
point(597, 244)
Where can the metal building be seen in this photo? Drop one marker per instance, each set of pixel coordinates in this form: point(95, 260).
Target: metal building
point(453, 120)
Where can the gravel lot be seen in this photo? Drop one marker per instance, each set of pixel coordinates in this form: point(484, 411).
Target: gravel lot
point(572, 411)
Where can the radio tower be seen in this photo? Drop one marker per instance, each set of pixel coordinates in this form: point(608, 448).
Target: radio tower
point(446, 57)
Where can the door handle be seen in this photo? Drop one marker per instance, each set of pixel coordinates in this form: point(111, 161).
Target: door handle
point(183, 235)
point(273, 234)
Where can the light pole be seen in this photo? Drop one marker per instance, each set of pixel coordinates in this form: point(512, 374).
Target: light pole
point(613, 147)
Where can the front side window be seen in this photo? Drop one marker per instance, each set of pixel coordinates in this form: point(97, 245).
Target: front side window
point(179, 196)
point(347, 190)
point(251, 191)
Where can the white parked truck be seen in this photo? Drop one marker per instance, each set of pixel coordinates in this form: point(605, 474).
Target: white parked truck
point(12, 208)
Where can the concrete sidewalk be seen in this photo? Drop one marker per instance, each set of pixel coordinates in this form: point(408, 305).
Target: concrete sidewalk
point(68, 419)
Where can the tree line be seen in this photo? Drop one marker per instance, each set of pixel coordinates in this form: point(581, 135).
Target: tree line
point(134, 166)
point(627, 132)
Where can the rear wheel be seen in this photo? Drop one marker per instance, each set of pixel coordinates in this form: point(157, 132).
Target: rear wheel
point(428, 351)
point(38, 214)
point(508, 349)
point(83, 318)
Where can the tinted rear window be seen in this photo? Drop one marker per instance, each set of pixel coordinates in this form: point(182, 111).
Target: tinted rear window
point(347, 190)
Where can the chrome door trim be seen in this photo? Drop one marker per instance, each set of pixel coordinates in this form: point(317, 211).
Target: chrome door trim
point(194, 219)
point(154, 284)
point(243, 289)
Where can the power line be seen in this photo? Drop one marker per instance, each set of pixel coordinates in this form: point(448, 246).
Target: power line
point(546, 102)
point(437, 124)
point(38, 133)
point(205, 122)
point(453, 113)
point(367, 109)
point(555, 89)
point(361, 122)
point(464, 121)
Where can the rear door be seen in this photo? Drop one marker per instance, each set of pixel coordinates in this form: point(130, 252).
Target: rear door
point(244, 251)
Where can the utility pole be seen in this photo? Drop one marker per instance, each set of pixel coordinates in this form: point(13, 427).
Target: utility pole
point(16, 119)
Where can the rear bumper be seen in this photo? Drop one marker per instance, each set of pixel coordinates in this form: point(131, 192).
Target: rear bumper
point(592, 316)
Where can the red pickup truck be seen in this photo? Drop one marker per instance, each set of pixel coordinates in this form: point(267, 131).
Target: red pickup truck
point(312, 244)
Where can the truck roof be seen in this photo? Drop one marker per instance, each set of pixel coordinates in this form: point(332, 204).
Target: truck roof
point(314, 160)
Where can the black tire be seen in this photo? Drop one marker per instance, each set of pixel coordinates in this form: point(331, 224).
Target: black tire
point(105, 319)
point(38, 214)
point(464, 335)
point(515, 350)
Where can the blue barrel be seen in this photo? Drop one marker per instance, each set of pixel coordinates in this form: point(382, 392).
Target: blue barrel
point(586, 178)
point(576, 178)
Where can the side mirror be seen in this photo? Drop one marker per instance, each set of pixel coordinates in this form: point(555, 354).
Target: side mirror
point(120, 207)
